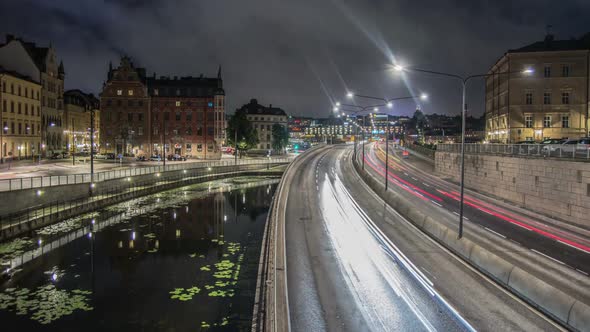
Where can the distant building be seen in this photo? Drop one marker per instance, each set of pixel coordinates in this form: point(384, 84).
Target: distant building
point(298, 125)
point(325, 129)
point(188, 113)
point(78, 108)
point(124, 108)
point(42, 65)
point(20, 116)
point(553, 102)
point(263, 118)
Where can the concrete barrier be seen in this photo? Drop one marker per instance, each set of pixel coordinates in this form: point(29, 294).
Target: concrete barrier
point(562, 307)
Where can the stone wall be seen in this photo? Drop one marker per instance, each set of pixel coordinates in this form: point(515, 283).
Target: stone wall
point(556, 188)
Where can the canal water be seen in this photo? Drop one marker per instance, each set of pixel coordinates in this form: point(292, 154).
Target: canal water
point(181, 260)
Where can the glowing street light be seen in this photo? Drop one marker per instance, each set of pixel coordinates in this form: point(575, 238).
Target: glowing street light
point(389, 105)
point(335, 109)
point(349, 94)
point(337, 104)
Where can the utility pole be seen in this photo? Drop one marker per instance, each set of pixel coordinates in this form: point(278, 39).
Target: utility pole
point(236, 145)
point(73, 145)
point(164, 145)
point(92, 144)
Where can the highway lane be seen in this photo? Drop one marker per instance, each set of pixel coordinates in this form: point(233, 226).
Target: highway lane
point(561, 245)
point(343, 274)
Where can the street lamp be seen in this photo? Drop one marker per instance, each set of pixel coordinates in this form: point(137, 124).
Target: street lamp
point(463, 80)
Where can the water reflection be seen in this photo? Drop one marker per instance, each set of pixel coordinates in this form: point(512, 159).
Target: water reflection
point(179, 260)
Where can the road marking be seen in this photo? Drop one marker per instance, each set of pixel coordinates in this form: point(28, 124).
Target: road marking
point(466, 218)
point(426, 184)
point(515, 242)
point(433, 202)
point(406, 174)
point(582, 272)
point(500, 235)
point(456, 213)
point(551, 258)
point(414, 178)
point(317, 188)
point(569, 245)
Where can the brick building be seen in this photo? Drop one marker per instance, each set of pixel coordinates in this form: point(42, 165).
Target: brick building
point(187, 115)
point(140, 115)
point(124, 108)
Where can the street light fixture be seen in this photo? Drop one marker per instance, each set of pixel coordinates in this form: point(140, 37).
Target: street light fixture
point(463, 80)
point(349, 94)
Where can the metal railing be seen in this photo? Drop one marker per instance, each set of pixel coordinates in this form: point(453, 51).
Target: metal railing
point(565, 151)
point(45, 214)
point(58, 180)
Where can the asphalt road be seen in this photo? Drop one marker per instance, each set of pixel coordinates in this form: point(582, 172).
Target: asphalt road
point(353, 264)
point(562, 245)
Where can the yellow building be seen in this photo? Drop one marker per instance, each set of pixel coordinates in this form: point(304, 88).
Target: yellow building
point(79, 107)
point(550, 101)
point(20, 116)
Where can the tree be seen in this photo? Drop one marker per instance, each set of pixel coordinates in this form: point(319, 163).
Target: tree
point(247, 135)
point(280, 137)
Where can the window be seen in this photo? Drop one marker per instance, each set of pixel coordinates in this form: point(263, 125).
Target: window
point(189, 115)
point(11, 107)
point(547, 121)
point(130, 117)
point(4, 106)
point(20, 128)
point(528, 97)
point(547, 71)
point(175, 131)
point(5, 127)
point(109, 102)
point(19, 90)
point(26, 92)
point(156, 130)
point(565, 97)
point(210, 131)
point(38, 112)
point(19, 108)
point(177, 116)
point(130, 102)
point(199, 131)
point(565, 71)
point(119, 102)
point(166, 116)
point(188, 147)
point(119, 92)
point(189, 131)
point(130, 92)
point(547, 98)
point(199, 147)
point(140, 131)
point(26, 109)
point(156, 92)
point(140, 116)
point(11, 88)
point(177, 103)
point(528, 121)
point(565, 121)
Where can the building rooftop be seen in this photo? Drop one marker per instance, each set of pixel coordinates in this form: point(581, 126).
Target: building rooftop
point(549, 44)
point(17, 75)
point(254, 108)
point(77, 97)
point(184, 86)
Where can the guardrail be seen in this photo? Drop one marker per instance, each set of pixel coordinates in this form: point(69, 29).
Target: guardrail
point(58, 180)
point(565, 151)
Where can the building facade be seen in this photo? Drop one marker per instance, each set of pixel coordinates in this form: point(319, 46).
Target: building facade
point(20, 116)
point(552, 102)
point(141, 115)
point(263, 118)
point(78, 109)
point(188, 116)
point(125, 111)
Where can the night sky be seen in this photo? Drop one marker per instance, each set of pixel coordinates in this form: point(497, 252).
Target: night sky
point(301, 55)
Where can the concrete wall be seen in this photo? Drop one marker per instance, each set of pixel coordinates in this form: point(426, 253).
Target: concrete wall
point(556, 188)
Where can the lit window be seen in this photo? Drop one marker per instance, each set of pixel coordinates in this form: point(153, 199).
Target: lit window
point(565, 121)
point(119, 92)
point(130, 92)
point(177, 103)
point(547, 121)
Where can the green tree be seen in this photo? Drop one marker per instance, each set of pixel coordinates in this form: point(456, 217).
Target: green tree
point(247, 135)
point(280, 137)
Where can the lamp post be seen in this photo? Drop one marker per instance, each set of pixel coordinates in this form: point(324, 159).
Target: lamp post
point(464, 80)
point(389, 103)
point(92, 145)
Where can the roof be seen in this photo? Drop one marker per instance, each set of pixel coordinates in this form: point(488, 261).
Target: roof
point(38, 54)
point(80, 98)
point(184, 86)
point(17, 75)
point(549, 44)
point(254, 108)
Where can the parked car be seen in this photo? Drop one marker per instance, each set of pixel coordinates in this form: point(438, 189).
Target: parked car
point(56, 156)
point(111, 155)
point(155, 158)
point(569, 146)
point(141, 158)
point(100, 156)
point(552, 141)
point(176, 157)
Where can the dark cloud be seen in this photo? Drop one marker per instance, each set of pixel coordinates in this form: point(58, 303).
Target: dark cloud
point(301, 55)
